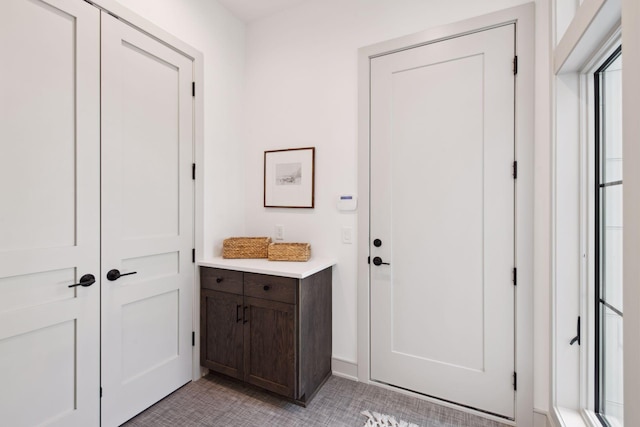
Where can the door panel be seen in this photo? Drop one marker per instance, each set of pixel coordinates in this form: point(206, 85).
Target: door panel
point(442, 202)
point(49, 216)
point(147, 220)
point(149, 213)
point(40, 208)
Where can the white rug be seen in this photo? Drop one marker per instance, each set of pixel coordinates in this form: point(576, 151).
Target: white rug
point(381, 420)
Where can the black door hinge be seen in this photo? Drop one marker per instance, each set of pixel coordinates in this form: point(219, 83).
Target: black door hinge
point(515, 65)
point(193, 339)
point(193, 88)
point(193, 171)
point(193, 255)
point(515, 381)
point(515, 277)
point(100, 391)
point(515, 170)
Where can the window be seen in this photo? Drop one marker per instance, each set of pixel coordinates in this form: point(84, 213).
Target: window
point(608, 242)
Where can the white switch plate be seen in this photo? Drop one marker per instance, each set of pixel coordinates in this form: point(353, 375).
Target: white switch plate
point(347, 235)
point(279, 232)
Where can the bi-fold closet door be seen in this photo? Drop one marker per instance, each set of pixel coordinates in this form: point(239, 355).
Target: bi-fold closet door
point(96, 147)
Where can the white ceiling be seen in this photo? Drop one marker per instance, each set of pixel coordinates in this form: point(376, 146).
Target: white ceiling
point(250, 10)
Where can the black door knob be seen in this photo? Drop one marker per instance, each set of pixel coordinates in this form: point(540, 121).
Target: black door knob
point(378, 261)
point(115, 274)
point(377, 243)
point(86, 280)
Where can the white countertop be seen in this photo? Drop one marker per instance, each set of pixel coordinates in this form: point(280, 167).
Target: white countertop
point(296, 270)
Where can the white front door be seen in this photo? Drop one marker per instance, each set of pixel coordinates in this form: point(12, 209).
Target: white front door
point(49, 213)
point(147, 220)
point(442, 207)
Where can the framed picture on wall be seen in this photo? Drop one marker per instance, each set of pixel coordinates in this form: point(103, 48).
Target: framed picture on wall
point(289, 178)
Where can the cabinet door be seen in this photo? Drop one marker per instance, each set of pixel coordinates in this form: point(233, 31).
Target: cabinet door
point(270, 345)
point(221, 332)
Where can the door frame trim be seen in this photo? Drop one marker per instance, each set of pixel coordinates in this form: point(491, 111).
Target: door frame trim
point(523, 17)
point(147, 27)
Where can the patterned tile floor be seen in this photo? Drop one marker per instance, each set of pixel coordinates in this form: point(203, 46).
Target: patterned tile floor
point(218, 401)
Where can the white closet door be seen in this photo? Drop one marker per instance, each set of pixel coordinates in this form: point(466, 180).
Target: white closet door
point(49, 213)
point(147, 220)
point(442, 206)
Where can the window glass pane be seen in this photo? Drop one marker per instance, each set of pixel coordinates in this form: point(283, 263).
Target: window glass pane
point(611, 244)
point(612, 404)
point(609, 311)
point(612, 121)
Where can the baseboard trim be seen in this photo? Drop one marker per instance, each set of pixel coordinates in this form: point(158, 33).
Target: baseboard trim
point(344, 368)
point(542, 419)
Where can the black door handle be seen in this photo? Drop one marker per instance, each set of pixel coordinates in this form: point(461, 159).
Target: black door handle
point(378, 261)
point(238, 319)
point(115, 274)
point(244, 315)
point(86, 280)
point(576, 339)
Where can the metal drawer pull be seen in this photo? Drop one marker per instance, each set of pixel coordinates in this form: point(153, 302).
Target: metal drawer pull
point(219, 279)
point(266, 287)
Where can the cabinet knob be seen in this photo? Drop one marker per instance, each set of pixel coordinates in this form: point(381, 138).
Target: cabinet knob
point(266, 287)
point(218, 279)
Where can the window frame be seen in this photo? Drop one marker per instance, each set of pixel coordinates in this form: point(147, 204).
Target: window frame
point(589, 182)
point(597, 260)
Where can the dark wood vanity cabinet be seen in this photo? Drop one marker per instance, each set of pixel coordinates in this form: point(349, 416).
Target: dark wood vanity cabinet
point(270, 331)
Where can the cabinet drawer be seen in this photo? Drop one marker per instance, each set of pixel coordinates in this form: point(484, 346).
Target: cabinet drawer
point(221, 280)
point(283, 289)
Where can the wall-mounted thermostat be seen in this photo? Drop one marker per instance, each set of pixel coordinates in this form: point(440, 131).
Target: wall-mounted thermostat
point(348, 202)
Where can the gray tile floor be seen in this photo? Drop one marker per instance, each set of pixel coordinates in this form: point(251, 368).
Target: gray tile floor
point(218, 401)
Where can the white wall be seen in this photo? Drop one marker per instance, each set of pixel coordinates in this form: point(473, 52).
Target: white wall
point(297, 86)
point(214, 31)
point(542, 209)
point(631, 149)
point(301, 90)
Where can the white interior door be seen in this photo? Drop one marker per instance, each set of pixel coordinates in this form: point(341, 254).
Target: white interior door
point(49, 213)
point(147, 220)
point(442, 205)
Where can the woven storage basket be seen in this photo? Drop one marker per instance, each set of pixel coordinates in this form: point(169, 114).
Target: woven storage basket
point(246, 247)
point(289, 252)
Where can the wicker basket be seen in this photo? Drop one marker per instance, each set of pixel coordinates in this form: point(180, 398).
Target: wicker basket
point(245, 247)
point(289, 252)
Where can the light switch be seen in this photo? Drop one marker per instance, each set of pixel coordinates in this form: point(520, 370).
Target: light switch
point(347, 235)
point(279, 232)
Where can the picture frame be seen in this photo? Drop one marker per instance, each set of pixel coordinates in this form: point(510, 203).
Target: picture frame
point(289, 178)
